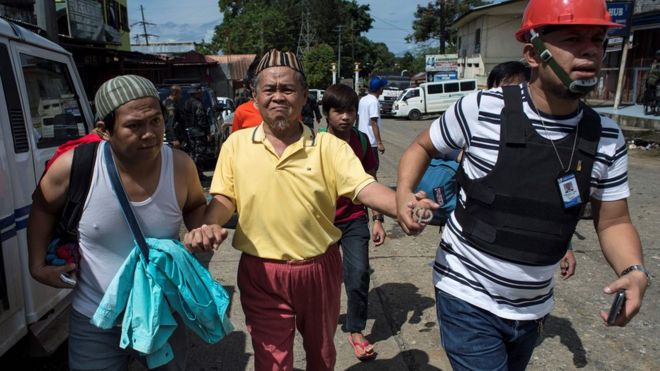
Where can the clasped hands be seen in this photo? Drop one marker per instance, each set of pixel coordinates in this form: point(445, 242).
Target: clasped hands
point(413, 216)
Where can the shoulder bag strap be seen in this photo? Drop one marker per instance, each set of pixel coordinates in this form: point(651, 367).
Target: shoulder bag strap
point(123, 201)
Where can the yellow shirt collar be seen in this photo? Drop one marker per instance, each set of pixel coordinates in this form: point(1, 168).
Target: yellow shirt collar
point(308, 137)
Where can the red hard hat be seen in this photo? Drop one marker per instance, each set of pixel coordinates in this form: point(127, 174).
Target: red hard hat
point(540, 13)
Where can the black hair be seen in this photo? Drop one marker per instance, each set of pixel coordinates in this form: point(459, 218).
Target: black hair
point(340, 97)
point(505, 71)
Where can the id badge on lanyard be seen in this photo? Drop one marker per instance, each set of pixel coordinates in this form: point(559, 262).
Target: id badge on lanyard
point(568, 188)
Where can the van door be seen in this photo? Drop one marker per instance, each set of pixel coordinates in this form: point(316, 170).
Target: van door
point(55, 111)
point(13, 325)
point(434, 96)
point(451, 95)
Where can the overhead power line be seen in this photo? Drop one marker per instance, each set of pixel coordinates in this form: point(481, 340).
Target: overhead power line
point(144, 25)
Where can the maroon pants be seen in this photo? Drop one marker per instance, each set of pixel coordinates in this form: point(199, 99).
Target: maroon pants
point(279, 296)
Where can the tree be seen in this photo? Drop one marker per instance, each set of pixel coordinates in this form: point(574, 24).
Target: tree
point(317, 62)
point(433, 21)
point(255, 28)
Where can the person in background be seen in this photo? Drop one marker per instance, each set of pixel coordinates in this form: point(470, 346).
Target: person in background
point(175, 123)
point(284, 181)
point(369, 115)
point(247, 115)
point(534, 153)
point(340, 109)
point(508, 73)
point(652, 86)
point(311, 112)
point(515, 73)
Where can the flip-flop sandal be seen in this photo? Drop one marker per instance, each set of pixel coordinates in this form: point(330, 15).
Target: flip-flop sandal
point(360, 349)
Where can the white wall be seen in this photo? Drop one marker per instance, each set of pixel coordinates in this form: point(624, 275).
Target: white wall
point(498, 44)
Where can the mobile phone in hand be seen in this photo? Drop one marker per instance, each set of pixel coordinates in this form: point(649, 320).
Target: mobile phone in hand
point(617, 305)
point(68, 279)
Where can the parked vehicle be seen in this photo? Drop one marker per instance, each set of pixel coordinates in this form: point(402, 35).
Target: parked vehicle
point(318, 95)
point(206, 155)
point(387, 98)
point(431, 97)
point(42, 105)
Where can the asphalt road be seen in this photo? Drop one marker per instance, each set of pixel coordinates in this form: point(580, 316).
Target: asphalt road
point(402, 321)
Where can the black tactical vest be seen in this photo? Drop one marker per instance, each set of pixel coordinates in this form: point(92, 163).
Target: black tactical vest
point(516, 212)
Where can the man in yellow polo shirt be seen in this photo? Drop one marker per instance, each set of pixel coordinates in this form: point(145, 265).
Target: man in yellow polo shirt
point(284, 182)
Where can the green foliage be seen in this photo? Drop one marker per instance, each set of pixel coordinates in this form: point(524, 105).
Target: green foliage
point(434, 20)
point(255, 26)
point(317, 62)
point(254, 29)
point(205, 48)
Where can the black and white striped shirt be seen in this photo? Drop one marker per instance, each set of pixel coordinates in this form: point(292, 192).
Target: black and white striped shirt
point(506, 289)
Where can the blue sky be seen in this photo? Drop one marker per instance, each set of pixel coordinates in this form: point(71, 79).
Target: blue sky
point(192, 20)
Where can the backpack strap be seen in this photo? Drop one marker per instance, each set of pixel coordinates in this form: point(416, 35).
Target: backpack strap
point(82, 169)
point(364, 142)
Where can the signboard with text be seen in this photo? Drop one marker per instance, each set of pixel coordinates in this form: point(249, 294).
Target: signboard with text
point(441, 62)
point(85, 19)
point(621, 13)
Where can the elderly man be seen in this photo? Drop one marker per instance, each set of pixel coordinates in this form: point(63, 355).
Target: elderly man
point(533, 154)
point(131, 122)
point(284, 182)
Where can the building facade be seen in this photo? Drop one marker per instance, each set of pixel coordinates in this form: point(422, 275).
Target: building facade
point(486, 38)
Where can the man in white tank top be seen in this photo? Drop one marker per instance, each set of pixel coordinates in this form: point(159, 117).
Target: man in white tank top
point(130, 120)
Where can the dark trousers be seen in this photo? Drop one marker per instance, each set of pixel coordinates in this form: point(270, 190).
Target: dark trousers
point(477, 340)
point(375, 151)
point(354, 244)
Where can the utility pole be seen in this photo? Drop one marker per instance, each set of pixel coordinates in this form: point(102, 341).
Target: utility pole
point(442, 26)
point(144, 25)
point(306, 36)
point(339, 51)
point(622, 71)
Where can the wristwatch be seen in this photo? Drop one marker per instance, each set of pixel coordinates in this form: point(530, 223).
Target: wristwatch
point(378, 217)
point(638, 267)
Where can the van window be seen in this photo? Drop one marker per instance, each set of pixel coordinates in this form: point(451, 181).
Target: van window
point(468, 85)
point(54, 107)
point(412, 94)
point(435, 89)
point(451, 87)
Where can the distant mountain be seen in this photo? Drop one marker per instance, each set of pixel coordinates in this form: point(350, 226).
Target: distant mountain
point(178, 32)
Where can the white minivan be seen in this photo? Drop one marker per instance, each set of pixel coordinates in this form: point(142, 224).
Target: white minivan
point(42, 105)
point(431, 97)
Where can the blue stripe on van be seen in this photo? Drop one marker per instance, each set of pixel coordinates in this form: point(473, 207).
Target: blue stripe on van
point(21, 224)
point(7, 221)
point(15, 222)
point(7, 235)
point(23, 211)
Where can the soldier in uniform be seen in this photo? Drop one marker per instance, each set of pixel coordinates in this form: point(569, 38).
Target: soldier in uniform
point(651, 94)
point(197, 126)
point(175, 126)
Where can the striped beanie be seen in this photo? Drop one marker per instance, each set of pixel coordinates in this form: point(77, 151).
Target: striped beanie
point(120, 90)
point(276, 58)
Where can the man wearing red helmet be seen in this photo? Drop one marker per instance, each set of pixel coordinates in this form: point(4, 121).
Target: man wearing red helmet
point(534, 154)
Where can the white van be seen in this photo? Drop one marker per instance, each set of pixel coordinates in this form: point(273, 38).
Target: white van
point(431, 97)
point(42, 105)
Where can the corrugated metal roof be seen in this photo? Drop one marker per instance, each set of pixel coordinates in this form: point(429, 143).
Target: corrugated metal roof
point(235, 66)
point(163, 48)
